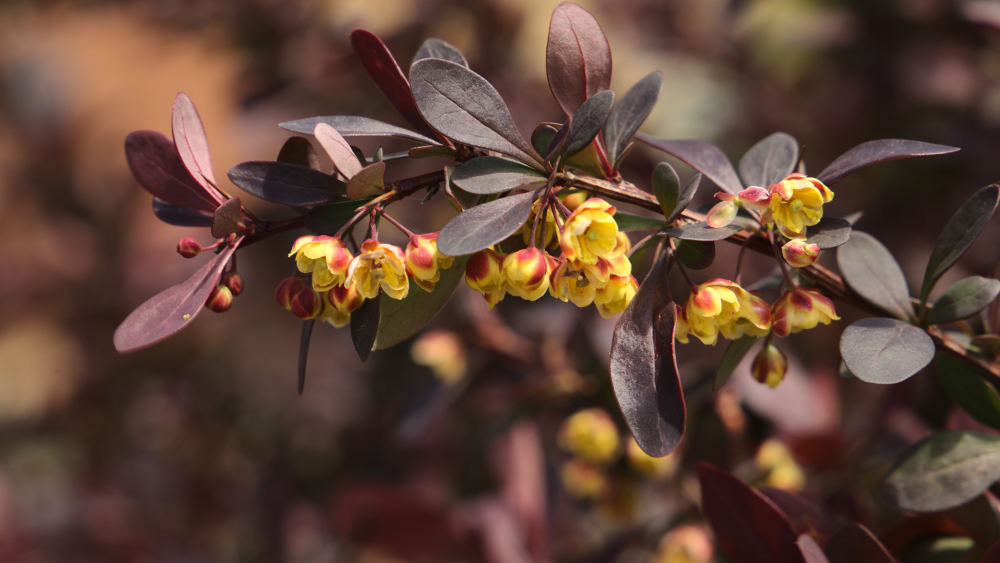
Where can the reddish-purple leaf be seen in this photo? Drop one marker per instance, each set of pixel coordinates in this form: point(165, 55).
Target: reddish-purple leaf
point(364, 327)
point(192, 145)
point(180, 216)
point(629, 113)
point(750, 527)
point(438, 49)
point(385, 71)
point(854, 544)
point(169, 311)
point(879, 150)
point(154, 162)
point(484, 225)
point(804, 515)
point(338, 149)
point(300, 152)
point(355, 126)
point(644, 367)
point(287, 184)
point(577, 56)
point(810, 550)
point(228, 218)
point(369, 181)
point(703, 157)
point(587, 122)
point(992, 554)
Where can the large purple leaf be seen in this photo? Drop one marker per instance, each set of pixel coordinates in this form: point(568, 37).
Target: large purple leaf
point(644, 367)
point(485, 175)
point(629, 113)
point(385, 71)
point(750, 527)
point(180, 216)
point(879, 150)
point(885, 351)
point(154, 162)
point(854, 544)
point(577, 56)
point(437, 49)
point(338, 149)
point(872, 271)
point(354, 126)
point(769, 160)
point(192, 145)
point(484, 225)
point(172, 309)
point(287, 184)
point(703, 157)
point(467, 108)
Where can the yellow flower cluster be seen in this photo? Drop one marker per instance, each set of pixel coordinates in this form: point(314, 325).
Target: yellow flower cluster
point(796, 203)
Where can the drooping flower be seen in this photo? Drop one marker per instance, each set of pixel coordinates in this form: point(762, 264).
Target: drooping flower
point(526, 273)
point(483, 273)
point(424, 262)
point(721, 306)
point(379, 266)
point(801, 309)
point(799, 253)
point(340, 302)
point(614, 296)
point(325, 257)
point(797, 203)
point(578, 282)
point(590, 232)
point(770, 366)
point(220, 300)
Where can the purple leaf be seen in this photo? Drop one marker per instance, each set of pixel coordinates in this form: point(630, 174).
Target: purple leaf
point(871, 270)
point(577, 57)
point(364, 327)
point(703, 157)
point(486, 175)
point(854, 544)
point(885, 351)
point(180, 216)
point(355, 126)
point(287, 184)
point(338, 149)
point(153, 160)
point(192, 145)
point(169, 311)
point(438, 49)
point(701, 231)
point(400, 319)
point(629, 113)
point(369, 181)
point(483, 225)
point(587, 122)
point(300, 152)
point(769, 160)
point(879, 150)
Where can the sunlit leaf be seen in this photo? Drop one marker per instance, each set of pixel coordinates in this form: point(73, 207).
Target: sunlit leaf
point(630, 222)
point(629, 113)
point(964, 299)
point(228, 218)
point(880, 150)
point(830, 232)
point(484, 225)
point(486, 175)
point(853, 544)
point(286, 183)
point(735, 353)
point(883, 350)
point(192, 145)
point(465, 107)
point(945, 470)
point(969, 390)
point(695, 254)
point(328, 219)
point(871, 270)
point(355, 126)
point(703, 157)
point(770, 160)
point(577, 56)
point(588, 121)
point(958, 235)
point(153, 160)
point(338, 149)
point(369, 181)
point(402, 318)
point(364, 327)
point(437, 49)
point(300, 152)
point(644, 366)
point(307, 328)
point(169, 311)
point(701, 231)
point(180, 216)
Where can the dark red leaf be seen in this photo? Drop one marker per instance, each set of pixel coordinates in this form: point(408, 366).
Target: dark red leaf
point(750, 527)
point(854, 544)
point(880, 150)
point(192, 145)
point(629, 113)
point(577, 57)
point(153, 160)
point(703, 157)
point(438, 49)
point(169, 311)
point(805, 516)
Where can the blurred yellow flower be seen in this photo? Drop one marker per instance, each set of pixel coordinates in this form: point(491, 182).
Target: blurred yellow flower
point(592, 435)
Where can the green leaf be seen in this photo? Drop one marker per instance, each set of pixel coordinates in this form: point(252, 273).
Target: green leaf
point(770, 160)
point(830, 232)
point(483, 225)
point(964, 299)
point(629, 222)
point(945, 470)
point(969, 390)
point(666, 186)
point(542, 136)
point(629, 113)
point(735, 352)
point(486, 175)
point(696, 254)
point(870, 269)
point(400, 319)
point(587, 122)
point(368, 182)
point(882, 350)
point(959, 234)
point(701, 231)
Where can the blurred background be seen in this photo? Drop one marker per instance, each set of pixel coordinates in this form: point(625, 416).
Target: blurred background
point(447, 448)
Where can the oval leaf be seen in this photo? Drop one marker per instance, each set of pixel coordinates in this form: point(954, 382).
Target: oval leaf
point(945, 470)
point(750, 528)
point(354, 126)
point(969, 390)
point(644, 367)
point(465, 107)
point(701, 231)
point(959, 234)
point(169, 311)
point(885, 351)
point(871, 270)
point(830, 232)
point(587, 122)
point(770, 160)
point(629, 113)
point(180, 216)
point(696, 254)
point(437, 49)
point(629, 222)
point(286, 183)
point(854, 543)
point(666, 186)
point(153, 160)
point(192, 145)
point(369, 181)
point(228, 218)
point(486, 175)
point(400, 319)
point(964, 299)
point(880, 150)
point(703, 157)
point(338, 149)
point(475, 229)
point(577, 57)
point(300, 152)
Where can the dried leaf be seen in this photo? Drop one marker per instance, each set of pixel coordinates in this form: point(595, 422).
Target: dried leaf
point(192, 145)
point(964, 299)
point(355, 126)
point(486, 175)
point(438, 49)
point(153, 160)
point(402, 318)
point(880, 150)
point(338, 149)
point(286, 183)
point(484, 225)
point(770, 160)
point(871, 270)
point(703, 157)
point(885, 351)
point(629, 114)
point(368, 182)
point(577, 56)
point(587, 122)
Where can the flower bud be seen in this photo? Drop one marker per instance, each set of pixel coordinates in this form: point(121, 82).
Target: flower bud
point(770, 366)
point(189, 247)
point(286, 289)
point(483, 274)
point(801, 309)
point(526, 273)
point(306, 303)
point(233, 281)
point(799, 253)
point(220, 300)
point(424, 262)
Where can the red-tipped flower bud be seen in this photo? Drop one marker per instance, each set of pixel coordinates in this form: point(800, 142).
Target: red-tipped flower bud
point(220, 300)
point(286, 289)
point(188, 247)
point(306, 304)
point(233, 281)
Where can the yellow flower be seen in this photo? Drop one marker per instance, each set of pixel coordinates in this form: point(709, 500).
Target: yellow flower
point(582, 479)
point(526, 273)
point(483, 273)
point(620, 264)
point(325, 257)
point(443, 353)
point(783, 472)
point(770, 366)
point(591, 435)
point(379, 266)
point(801, 309)
point(578, 282)
point(590, 232)
point(799, 253)
point(722, 306)
point(615, 295)
point(423, 261)
point(797, 203)
point(340, 302)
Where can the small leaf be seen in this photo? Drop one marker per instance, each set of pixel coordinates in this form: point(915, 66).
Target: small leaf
point(489, 223)
point(355, 126)
point(963, 300)
point(629, 114)
point(487, 175)
point(830, 232)
point(701, 231)
point(629, 222)
point(770, 160)
point(192, 145)
point(542, 137)
point(880, 150)
point(969, 390)
point(735, 352)
point(696, 254)
point(577, 56)
point(958, 235)
point(703, 157)
point(945, 470)
point(228, 218)
point(666, 186)
point(286, 183)
point(180, 216)
point(437, 49)
point(644, 366)
point(853, 544)
point(300, 152)
point(870, 269)
point(748, 525)
point(882, 350)
point(328, 219)
point(402, 318)
point(369, 181)
point(385, 71)
point(810, 550)
point(153, 160)
point(169, 311)
point(338, 149)
point(587, 122)
point(465, 107)
point(364, 327)
point(307, 329)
